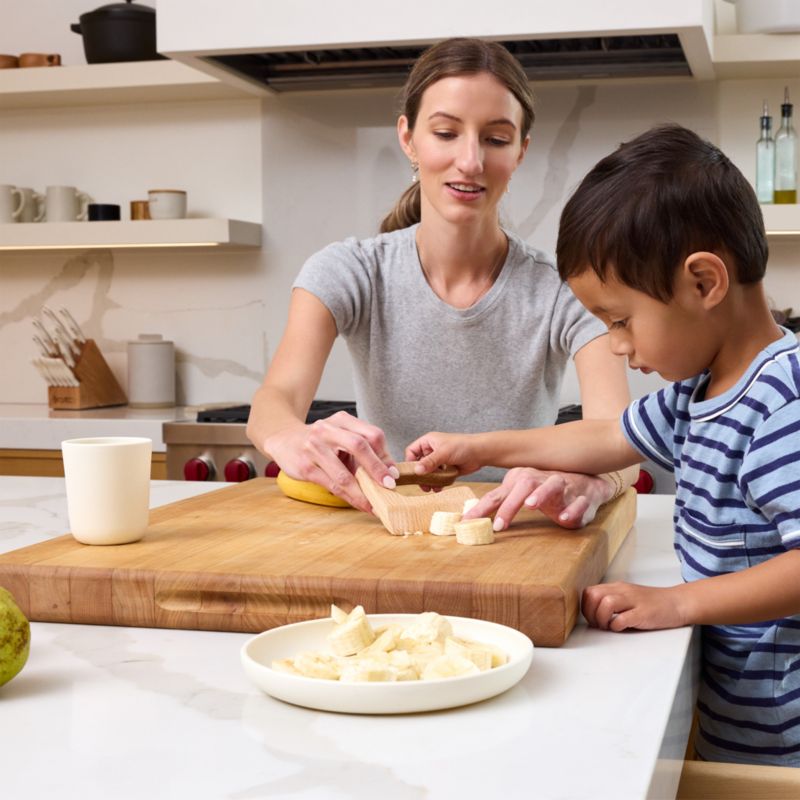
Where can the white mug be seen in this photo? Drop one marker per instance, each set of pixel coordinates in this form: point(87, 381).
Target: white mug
point(108, 488)
point(66, 204)
point(33, 206)
point(11, 203)
point(167, 203)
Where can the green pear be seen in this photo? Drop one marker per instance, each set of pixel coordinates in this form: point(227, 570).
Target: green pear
point(15, 637)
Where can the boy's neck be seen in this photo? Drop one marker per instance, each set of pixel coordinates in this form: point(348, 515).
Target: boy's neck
point(746, 327)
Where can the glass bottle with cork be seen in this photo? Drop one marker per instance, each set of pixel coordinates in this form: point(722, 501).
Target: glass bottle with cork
point(786, 155)
point(765, 159)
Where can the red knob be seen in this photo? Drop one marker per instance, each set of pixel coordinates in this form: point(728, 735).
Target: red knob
point(271, 470)
point(645, 483)
point(199, 469)
point(239, 469)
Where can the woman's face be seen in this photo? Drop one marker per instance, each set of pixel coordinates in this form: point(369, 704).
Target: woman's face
point(467, 143)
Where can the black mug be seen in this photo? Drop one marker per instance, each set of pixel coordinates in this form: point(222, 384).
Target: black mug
point(101, 212)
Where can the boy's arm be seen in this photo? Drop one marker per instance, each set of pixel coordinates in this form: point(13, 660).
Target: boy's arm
point(591, 446)
point(767, 591)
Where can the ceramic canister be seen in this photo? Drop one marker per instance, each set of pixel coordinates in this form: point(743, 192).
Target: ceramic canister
point(151, 372)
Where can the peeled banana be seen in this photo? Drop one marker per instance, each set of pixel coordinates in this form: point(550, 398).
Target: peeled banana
point(475, 531)
point(309, 492)
point(352, 635)
point(424, 650)
point(442, 523)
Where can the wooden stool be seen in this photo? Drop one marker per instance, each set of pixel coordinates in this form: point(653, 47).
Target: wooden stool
point(712, 780)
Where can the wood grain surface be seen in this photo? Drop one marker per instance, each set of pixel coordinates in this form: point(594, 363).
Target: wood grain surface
point(248, 558)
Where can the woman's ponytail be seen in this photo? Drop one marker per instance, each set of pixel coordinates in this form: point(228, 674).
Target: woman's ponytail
point(406, 211)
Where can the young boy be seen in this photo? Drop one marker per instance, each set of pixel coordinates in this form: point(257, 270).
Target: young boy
point(664, 241)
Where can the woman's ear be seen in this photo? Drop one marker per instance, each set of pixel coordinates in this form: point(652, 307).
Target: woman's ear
point(705, 279)
point(404, 134)
point(524, 149)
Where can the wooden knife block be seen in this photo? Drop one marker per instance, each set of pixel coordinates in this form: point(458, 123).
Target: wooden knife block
point(98, 386)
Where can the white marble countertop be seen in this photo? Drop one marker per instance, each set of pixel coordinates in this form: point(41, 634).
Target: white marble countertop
point(105, 712)
point(34, 426)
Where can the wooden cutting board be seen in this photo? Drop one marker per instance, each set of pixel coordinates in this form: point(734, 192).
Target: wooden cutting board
point(247, 558)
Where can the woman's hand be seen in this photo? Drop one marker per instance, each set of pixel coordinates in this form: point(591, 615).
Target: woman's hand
point(619, 606)
point(434, 449)
point(569, 499)
point(328, 452)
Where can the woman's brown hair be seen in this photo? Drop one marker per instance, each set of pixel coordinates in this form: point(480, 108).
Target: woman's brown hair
point(447, 59)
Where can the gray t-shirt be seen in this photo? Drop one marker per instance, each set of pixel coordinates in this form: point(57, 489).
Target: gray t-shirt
point(420, 364)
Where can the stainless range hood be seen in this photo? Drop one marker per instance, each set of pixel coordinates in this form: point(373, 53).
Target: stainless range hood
point(270, 46)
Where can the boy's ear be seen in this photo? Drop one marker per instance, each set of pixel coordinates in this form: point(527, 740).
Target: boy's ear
point(704, 278)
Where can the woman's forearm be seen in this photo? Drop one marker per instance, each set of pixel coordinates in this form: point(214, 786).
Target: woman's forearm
point(271, 412)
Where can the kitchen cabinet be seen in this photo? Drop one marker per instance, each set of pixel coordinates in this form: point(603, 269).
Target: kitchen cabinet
point(756, 55)
point(48, 464)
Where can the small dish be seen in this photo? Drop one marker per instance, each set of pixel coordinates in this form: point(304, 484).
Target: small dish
point(403, 697)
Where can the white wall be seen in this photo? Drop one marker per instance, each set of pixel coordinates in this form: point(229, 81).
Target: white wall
point(312, 168)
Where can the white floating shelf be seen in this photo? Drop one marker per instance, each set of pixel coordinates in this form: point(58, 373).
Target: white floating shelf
point(130, 82)
point(782, 221)
point(225, 233)
point(758, 55)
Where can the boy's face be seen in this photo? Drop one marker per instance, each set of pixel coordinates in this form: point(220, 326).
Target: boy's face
point(667, 338)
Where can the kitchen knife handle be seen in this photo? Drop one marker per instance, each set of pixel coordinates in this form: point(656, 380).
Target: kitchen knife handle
point(441, 476)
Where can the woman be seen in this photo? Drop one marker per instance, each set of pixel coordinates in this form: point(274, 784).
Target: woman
point(452, 322)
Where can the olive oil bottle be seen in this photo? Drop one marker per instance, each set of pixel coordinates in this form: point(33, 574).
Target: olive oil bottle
point(786, 155)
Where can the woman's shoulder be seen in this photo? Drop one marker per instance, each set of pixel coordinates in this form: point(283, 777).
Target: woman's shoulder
point(374, 250)
point(531, 264)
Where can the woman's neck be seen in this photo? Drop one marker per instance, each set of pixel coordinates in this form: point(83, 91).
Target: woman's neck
point(453, 255)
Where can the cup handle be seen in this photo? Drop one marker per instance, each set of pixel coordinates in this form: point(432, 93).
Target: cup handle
point(18, 210)
point(85, 200)
point(38, 200)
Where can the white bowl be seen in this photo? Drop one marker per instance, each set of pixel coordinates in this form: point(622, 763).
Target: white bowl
point(401, 697)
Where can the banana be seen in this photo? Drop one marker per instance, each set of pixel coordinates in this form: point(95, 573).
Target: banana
point(424, 650)
point(449, 667)
point(429, 627)
point(475, 531)
point(471, 503)
point(353, 635)
point(317, 665)
point(479, 655)
point(442, 523)
point(309, 492)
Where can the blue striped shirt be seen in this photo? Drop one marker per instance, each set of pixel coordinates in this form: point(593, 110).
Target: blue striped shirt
point(736, 460)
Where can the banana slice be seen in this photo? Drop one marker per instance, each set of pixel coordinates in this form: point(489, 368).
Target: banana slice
point(479, 655)
point(442, 523)
point(428, 627)
point(449, 667)
point(353, 635)
point(317, 665)
point(470, 503)
point(285, 665)
point(475, 531)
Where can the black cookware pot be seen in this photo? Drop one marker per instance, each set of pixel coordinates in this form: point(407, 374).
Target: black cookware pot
point(118, 32)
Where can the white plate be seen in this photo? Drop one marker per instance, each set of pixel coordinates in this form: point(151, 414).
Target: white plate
point(388, 697)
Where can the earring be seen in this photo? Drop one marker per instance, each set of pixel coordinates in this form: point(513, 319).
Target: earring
point(508, 188)
point(414, 171)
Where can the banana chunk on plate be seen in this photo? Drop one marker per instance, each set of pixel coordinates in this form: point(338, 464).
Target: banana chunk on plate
point(425, 649)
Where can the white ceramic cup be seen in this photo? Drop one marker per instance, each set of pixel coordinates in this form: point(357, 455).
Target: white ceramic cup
point(108, 488)
point(33, 207)
point(167, 203)
point(11, 203)
point(66, 204)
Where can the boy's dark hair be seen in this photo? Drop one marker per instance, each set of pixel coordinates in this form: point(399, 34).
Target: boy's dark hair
point(654, 201)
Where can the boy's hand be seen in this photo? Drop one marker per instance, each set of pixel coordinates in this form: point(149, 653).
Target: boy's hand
point(434, 449)
point(569, 499)
point(619, 606)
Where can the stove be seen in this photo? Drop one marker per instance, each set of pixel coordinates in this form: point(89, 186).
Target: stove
point(215, 447)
